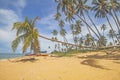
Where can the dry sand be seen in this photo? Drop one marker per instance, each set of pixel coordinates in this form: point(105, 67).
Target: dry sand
point(90, 66)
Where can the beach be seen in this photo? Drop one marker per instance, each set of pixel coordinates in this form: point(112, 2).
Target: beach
point(86, 66)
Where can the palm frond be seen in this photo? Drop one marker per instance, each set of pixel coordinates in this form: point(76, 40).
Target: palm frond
point(16, 42)
point(27, 43)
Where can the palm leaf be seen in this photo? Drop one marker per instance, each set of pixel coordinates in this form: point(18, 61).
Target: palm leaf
point(16, 42)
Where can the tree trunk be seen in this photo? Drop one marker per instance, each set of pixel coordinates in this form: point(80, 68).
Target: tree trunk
point(116, 17)
point(117, 24)
point(112, 28)
point(74, 44)
point(88, 26)
point(94, 25)
point(61, 41)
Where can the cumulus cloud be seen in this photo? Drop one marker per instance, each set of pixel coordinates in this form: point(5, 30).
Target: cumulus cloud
point(49, 21)
point(7, 18)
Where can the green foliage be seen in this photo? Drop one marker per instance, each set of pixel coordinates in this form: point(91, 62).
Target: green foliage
point(27, 34)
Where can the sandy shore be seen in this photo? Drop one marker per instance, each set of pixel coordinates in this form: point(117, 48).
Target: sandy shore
point(90, 66)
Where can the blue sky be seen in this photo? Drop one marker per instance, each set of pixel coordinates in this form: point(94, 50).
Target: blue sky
point(16, 10)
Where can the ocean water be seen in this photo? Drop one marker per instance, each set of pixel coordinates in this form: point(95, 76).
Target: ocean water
point(10, 55)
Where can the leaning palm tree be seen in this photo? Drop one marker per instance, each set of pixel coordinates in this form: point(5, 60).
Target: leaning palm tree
point(115, 6)
point(82, 9)
point(28, 34)
point(69, 6)
point(101, 10)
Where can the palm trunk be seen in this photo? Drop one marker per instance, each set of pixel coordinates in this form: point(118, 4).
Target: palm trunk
point(117, 24)
point(62, 42)
point(112, 28)
point(65, 40)
point(94, 25)
point(88, 26)
point(116, 17)
point(113, 41)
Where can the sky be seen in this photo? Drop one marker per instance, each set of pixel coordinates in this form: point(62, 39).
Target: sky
point(12, 11)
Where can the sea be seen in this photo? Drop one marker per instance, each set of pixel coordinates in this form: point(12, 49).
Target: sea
point(10, 55)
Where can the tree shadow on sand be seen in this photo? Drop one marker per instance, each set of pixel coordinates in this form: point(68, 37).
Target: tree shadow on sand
point(105, 56)
point(90, 59)
point(93, 63)
point(117, 62)
point(26, 60)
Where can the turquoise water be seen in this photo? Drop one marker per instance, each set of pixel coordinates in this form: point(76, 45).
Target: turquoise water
point(8, 55)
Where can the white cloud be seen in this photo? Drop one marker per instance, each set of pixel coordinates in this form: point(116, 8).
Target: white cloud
point(7, 18)
point(21, 3)
point(50, 22)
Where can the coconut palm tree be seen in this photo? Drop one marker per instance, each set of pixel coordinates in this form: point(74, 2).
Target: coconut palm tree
point(68, 6)
point(111, 35)
point(103, 28)
point(72, 30)
point(82, 9)
point(58, 16)
point(55, 33)
point(101, 10)
point(115, 6)
point(28, 34)
point(63, 34)
point(88, 40)
point(102, 41)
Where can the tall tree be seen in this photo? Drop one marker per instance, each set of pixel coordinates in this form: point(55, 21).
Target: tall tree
point(55, 33)
point(28, 34)
point(69, 6)
point(111, 35)
point(101, 10)
point(115, 6)
point(103, 28)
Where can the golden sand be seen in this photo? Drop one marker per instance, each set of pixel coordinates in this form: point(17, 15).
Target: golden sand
point(91, 66)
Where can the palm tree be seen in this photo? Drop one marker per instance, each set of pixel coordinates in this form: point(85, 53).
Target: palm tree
point(72, 30)
point(83, 8)
point(115, 6)
point(111, 35)
point(81, 41)
point(55, 33)
point(103, 28)
point(28, 34)
point(58, 16)
point(63, 34)
point(68, 6)
point(102, 41)
point(88, 40)
point(101, 8)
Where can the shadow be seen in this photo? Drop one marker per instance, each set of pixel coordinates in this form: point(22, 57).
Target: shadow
point(105, 56)
point(27, 60)
point(117, 62)
point(92, 63)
